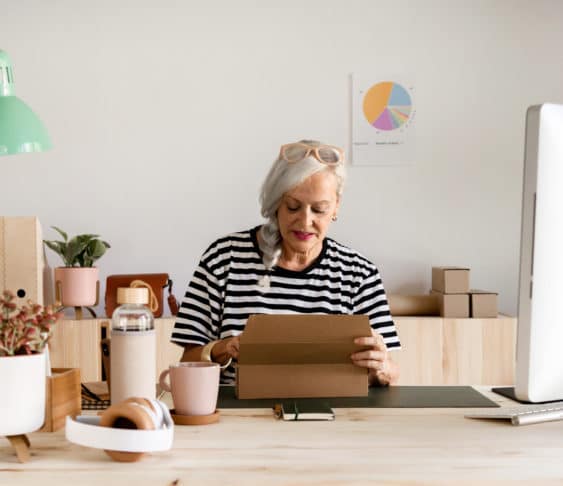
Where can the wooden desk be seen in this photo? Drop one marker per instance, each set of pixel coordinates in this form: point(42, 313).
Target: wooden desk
point(435, 350)
point(247, 447)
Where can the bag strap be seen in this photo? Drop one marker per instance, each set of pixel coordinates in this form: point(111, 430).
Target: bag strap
point(172, 301)
point(153, 301)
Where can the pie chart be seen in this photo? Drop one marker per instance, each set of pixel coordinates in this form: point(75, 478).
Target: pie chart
point(387, 106)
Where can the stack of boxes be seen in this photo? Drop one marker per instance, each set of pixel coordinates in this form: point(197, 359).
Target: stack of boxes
point(450, 285)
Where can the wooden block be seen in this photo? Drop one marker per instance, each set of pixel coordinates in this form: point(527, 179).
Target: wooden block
point(63, 397)
point(499, 350)
point(479, 351)
point(463, 351)
point(420, 356)
point(76, 344)
point(167, 352)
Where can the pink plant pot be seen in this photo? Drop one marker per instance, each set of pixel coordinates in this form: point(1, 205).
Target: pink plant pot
point(76, 286)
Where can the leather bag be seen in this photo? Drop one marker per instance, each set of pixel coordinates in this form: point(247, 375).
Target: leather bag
point(155, 282)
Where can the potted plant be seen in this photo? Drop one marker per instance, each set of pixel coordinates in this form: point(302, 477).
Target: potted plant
point(24, 331)
point(77, 283)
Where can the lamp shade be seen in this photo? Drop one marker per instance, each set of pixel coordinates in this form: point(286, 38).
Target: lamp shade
point(20, 128)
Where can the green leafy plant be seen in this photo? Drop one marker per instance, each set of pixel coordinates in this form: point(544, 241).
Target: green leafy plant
point(79, 251)
point(25, 329)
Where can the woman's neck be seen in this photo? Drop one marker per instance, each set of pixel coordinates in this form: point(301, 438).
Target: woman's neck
point(297, 261)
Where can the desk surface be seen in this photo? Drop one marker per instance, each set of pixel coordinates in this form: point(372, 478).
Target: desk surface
point(361, 445)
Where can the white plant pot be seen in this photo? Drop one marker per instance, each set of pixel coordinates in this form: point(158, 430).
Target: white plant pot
point(22, 391)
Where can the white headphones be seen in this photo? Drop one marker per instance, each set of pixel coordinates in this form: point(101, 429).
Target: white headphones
point(126, 430)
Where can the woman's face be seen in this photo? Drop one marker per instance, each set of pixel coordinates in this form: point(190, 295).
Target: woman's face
point(306, 212)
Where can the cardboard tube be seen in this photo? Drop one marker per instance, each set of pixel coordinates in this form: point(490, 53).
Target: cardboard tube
point(414, 305)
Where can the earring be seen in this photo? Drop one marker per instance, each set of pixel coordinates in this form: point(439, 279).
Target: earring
point(334, 218)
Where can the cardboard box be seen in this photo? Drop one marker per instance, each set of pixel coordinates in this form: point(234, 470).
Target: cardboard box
point(483, 303)
point(450, 280)
point(23, 268)
point(452, 305)
point(414, 305)
point(290, 356)
point(63, 397)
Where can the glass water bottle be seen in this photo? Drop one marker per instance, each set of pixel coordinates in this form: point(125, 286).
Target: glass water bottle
point(133, 347)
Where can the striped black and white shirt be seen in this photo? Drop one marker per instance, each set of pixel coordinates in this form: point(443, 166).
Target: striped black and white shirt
point(224, 291)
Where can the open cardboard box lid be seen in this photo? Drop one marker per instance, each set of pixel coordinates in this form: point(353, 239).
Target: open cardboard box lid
point(301, 339)
point(301, 355)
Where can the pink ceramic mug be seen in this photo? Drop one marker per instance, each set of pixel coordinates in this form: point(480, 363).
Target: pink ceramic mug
point(194, 386)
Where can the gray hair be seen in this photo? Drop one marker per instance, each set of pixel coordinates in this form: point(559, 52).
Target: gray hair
point(282, 177)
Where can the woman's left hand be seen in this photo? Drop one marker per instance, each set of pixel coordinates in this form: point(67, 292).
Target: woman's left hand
point(382, 370)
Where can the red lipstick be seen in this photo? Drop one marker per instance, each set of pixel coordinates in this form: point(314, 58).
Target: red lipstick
point(303, 236)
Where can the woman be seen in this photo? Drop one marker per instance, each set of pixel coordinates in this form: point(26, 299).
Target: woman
point(287, 266)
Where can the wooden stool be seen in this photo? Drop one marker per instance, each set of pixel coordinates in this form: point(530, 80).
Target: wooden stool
point(78, 311)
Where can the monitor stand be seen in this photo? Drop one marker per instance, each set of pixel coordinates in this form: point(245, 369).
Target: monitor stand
point(509, 393)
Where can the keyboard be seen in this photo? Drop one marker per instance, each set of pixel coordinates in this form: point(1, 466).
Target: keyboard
point(523, 414)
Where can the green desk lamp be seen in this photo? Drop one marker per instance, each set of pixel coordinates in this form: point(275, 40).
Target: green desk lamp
point(20, 129)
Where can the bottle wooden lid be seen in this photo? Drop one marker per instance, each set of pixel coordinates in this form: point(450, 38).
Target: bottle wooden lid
point(129, 295)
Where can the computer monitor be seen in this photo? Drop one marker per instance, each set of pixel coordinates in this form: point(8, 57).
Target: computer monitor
point(539, 347)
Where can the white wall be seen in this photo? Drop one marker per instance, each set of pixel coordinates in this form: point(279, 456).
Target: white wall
point(166, 115)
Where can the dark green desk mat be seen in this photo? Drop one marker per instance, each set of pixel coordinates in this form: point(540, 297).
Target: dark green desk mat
point(378, 397)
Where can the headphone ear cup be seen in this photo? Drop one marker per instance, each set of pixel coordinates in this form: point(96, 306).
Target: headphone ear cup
point(128, 415)
point(146, 404)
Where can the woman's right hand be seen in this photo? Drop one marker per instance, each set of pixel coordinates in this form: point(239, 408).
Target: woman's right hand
point(232, 346)
point(225, 349)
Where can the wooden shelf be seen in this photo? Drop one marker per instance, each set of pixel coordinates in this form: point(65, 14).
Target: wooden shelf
point(435, 350)
point(76, 344)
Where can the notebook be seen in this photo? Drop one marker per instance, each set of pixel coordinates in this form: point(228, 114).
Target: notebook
point(313, 410)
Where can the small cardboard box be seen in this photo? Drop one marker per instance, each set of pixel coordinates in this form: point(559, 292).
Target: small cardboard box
point(483, 303)
point(453, 305)
point(63, 397)
point(290, 356)
point(414, 305)
point(450, 280)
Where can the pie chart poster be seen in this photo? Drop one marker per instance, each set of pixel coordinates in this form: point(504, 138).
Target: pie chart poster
point(383, 121)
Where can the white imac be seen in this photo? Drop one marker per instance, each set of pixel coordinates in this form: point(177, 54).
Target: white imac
point(539, 347)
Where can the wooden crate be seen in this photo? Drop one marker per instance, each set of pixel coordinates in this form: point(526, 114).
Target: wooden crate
point(63, 397)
